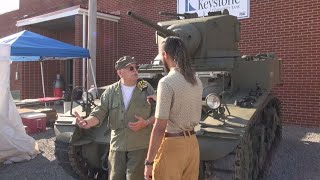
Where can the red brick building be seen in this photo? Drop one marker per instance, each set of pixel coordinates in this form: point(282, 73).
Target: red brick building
point(291, 29)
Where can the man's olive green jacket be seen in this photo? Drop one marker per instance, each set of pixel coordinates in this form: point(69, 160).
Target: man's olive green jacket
point(112, 109)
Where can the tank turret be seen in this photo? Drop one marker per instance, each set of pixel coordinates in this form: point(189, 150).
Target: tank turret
point(211, 41)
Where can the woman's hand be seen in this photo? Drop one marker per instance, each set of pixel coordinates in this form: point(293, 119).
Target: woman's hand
point(152, 99)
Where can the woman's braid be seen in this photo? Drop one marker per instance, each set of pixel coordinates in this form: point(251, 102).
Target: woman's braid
point(175, 47)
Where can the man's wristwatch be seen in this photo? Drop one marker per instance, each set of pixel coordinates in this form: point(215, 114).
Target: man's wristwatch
point(147, 163)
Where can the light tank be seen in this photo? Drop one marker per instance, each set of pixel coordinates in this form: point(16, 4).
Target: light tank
point(241, 120)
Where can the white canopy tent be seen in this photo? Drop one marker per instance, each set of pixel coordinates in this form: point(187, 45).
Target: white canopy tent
point(15, 144)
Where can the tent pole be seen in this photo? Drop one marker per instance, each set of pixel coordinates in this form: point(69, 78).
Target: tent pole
point(92, 42)
point(44, 93)
point(84, 46)
point(94, 78)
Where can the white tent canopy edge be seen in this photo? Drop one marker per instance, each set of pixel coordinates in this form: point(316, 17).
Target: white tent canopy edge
point(15, 144)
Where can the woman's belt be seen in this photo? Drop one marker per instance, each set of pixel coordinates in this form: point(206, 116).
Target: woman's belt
point(183, 133)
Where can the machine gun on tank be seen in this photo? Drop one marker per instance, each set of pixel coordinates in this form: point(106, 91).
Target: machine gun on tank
point(185, 15)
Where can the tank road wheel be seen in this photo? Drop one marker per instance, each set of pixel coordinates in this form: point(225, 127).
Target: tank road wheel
point(70, 158)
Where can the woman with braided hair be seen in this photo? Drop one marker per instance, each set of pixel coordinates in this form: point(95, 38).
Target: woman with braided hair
point(175, 47)
point(173, 149)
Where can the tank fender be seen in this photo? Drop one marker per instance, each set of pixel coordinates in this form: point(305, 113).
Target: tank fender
point(81, 142)
point(213, 148)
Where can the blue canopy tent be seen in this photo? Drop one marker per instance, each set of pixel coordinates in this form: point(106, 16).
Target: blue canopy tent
point(29, 46)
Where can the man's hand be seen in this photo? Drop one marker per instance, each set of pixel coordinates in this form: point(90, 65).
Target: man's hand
point(140, 124)
point(81, 122)
point(148, 172)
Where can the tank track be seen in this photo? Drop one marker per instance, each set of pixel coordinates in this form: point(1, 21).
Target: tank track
point(70, 158)
point(252, 156)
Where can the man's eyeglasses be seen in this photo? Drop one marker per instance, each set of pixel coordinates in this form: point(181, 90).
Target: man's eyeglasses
point(132, 68)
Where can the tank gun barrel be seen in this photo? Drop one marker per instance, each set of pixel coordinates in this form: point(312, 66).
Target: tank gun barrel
point(165, 32)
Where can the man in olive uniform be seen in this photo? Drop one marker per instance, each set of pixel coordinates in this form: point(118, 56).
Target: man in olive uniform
point(125, 105)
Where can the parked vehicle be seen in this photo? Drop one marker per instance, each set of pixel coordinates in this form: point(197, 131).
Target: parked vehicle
point(241, 119)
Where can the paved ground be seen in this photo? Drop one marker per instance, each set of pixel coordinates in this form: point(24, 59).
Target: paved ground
point(43, 167)
point(297, 158)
